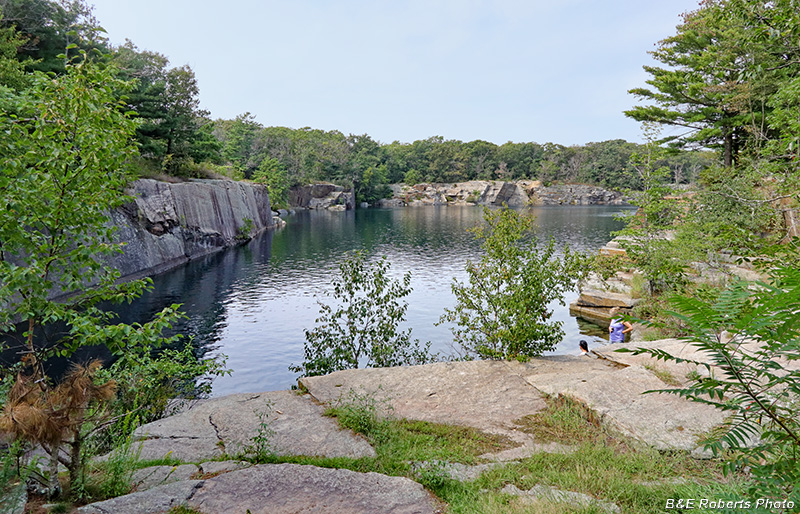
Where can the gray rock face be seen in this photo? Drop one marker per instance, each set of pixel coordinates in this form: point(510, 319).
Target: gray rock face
point(495, 193)
point(321, 196)
point(499, 193)
point(577, 194)
point(169, 224)
point(280, 489)
point(227, 425)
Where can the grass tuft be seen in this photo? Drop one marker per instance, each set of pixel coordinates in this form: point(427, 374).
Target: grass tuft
point(566, 421)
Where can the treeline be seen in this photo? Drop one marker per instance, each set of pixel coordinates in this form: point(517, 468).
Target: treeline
point(309, 154)
point(177, 137)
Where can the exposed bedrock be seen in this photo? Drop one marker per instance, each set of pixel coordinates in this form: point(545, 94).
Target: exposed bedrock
point(321, 196)
point(496, 193)
point(169, 224)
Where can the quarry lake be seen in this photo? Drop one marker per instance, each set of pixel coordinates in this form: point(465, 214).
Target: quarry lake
point(253, 302)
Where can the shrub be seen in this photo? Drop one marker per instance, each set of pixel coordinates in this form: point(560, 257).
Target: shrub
point(503, 311)
point(364, 328)
point(749, 377)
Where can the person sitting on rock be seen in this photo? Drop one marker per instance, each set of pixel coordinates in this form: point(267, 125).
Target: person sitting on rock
point(618, 328)
point(584, 346)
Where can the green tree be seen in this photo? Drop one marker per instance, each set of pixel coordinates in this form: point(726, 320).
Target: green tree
point(239, 143)
point(51, 29)
point(174, 130)
point(503, 312)
point(731, 81)
point(749, 376)
point(65, 166)
point(12, 71)
point(646, 241)
point(702, 89)
point(273, 174)
point(183, 116)
point(362, 327)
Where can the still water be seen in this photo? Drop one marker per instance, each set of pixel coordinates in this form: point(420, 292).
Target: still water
point(253, 302)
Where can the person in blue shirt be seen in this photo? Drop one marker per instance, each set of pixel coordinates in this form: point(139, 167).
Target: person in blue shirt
point(618, 328)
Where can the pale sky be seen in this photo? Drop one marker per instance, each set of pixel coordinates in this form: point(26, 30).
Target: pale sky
point(504, 70)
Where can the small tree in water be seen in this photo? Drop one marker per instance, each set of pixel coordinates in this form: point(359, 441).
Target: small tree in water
point(363, 328)
point(503, 311)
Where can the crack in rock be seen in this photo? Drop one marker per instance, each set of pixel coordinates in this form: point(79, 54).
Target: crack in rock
point(216, 430)
point(196, 488)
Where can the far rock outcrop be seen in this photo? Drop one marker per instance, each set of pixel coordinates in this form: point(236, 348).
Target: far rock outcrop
point(321, 196)
point(495, 193)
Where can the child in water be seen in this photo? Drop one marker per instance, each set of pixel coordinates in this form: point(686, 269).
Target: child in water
point(618, 328)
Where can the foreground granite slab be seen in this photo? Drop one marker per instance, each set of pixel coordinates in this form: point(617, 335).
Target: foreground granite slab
point(226, 426)
point(487, 395)
point(280, 489)
point(492, 395)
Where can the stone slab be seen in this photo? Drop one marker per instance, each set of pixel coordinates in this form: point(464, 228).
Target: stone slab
point(280, 489)
point(153, 501)
point(225, 466)
point(226, 425)
point(487, 395)
point(676, 347)
point(596, 315)
point(605, 299)
point(154, 476)
point(663, 421)
point(291, 488)
point(551, 494)
point(491, 395)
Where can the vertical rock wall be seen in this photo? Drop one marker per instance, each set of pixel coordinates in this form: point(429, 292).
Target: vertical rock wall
point(169, 224)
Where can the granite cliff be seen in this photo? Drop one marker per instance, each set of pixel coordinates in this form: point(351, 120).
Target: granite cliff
point(167, 225)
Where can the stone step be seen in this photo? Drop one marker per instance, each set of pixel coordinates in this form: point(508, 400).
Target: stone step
point(605, 299)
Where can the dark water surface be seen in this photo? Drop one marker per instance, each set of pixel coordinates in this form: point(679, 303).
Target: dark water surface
point(253, 302)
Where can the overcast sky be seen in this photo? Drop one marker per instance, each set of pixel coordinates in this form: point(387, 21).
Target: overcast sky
point(503, 70)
